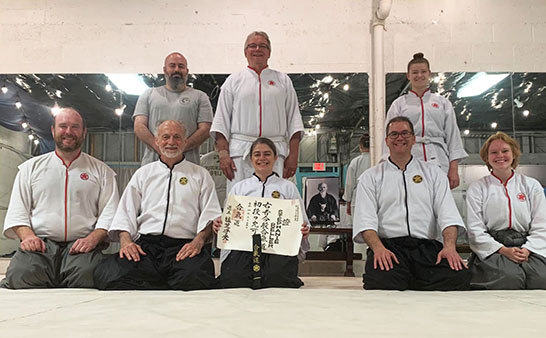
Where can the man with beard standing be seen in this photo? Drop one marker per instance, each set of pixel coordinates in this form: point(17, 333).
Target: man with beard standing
point(162, 223)
point(61, 206)
point(173, 101)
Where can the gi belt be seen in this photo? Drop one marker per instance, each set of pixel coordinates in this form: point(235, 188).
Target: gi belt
point(256, 262)
point(250, 139)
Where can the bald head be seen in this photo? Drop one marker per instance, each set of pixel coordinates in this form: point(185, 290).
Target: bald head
point(68, 112)
point(176, 71)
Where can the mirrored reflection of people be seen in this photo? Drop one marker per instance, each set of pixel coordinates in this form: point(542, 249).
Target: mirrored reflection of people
point(276, 270)
point(437, 135)
point(257, 102)
point(403, 209)
point(357, 166)
point(322, 207)
point(506, 222)
point(173, 101)
point(211, 162)
point(61, 206)
point(163, 221)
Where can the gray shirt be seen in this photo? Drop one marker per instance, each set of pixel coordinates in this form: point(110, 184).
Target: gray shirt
point(189, 107)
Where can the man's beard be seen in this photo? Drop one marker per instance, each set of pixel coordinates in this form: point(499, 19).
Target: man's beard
point(171, 154)
point(177, 82)
point(77, 144)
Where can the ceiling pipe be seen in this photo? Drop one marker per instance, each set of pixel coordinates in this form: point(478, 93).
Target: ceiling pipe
point(382, 9)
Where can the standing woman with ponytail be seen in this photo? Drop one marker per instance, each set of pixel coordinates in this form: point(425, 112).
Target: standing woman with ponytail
point(438, 139)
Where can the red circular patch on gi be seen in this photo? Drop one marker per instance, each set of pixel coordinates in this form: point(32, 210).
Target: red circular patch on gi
point(521, 197)
point(84, 176)
point(271, 83)
point(435, 105)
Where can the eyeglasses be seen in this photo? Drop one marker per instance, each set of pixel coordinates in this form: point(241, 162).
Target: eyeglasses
point(255, 46)
point(393, 135)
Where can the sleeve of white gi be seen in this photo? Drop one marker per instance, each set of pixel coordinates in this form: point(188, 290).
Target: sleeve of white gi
point(208, 202)
point(453, 135)
point(366, 206)
point(444, 205)
point(19, 204)
point(222, 119)
point(536, 240)
point(481, 242)
point(108, 199)
point(128, 210)
point(394, 111)
point(295, 122)
point(350, 181)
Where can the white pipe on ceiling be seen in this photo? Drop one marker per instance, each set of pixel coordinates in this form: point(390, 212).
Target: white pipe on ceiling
point(377, 87)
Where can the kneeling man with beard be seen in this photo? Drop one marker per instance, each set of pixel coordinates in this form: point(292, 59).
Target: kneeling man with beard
point(163, 221)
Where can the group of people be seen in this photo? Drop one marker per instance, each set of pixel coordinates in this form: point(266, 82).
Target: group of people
point(65, 206)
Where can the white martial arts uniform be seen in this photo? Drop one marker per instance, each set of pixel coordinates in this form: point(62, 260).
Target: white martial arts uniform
point(438, 139)
point(416, 202)
point(357, 166)
point(177, 202)
point(254, 187)
point(519, 205)
point(62, 202)
point(255, 105)
point(211, 162)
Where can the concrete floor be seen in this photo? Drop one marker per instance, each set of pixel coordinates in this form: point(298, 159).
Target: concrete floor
point(324, 307)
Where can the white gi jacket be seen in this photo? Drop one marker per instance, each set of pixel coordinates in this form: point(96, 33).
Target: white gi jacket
point(357, 166)
point(62, 202)
point(437, 135)
point(416, 202)
point(252, 186)
point(518, 205)
point(177, 202)
point(252, 105)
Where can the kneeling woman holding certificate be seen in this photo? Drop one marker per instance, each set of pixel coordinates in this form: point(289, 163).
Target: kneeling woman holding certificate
point(256, 232)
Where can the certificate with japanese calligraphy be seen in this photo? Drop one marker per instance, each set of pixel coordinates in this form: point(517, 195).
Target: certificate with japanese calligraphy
point(278, 222)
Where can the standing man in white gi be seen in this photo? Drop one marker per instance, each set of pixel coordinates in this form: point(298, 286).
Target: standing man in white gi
point(357, 166)
point(257, 102)
point(162, 223)
point(61, 206)
point(403, 210)
point(173, 101)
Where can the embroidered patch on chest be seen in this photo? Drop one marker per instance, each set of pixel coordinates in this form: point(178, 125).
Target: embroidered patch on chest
point(84, 176)
point(417, 179)
point(184, 100)
point(521, 197)
point(276, 194)
point(183, 180)
point(271, 82)
point(435, 105)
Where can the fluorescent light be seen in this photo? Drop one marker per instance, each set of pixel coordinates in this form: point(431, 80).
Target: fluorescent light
point(479, 83)
point(130, 84)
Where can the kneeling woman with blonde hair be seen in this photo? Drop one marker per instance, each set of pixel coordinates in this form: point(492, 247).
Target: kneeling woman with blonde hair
point(506, 222)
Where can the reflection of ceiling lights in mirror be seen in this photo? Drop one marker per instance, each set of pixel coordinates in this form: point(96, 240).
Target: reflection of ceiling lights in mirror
point(494, 125)
point(130, 84)
point(525, 113)
point(479, 83)
point(327, 79)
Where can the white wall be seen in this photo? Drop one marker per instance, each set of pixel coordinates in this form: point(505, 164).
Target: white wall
point(9, 159)
point(308, 35)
